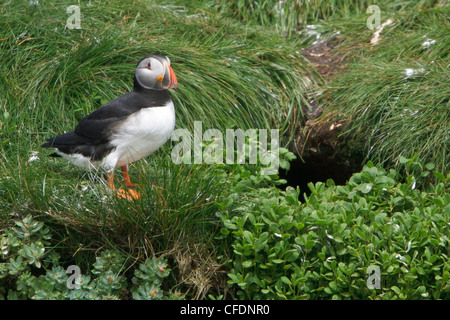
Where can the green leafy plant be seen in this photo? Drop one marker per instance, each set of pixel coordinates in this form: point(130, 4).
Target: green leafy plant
point(148, 279)
point(321, 248)
point(24, 256)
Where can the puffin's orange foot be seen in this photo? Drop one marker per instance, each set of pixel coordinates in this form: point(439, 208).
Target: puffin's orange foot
point(129, 194)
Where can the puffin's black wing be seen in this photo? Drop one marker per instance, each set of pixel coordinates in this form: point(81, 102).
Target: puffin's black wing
point(97, 126)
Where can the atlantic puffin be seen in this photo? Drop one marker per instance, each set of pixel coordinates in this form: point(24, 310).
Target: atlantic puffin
point(125, 129)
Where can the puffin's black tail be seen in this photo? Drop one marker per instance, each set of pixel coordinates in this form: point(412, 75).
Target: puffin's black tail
point(65, 139)
point(49, 144)
point(55, 155)
point(70, 143)
point(66, 143)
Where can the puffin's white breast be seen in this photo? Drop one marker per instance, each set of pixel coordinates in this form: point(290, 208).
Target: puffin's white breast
point(141, 134)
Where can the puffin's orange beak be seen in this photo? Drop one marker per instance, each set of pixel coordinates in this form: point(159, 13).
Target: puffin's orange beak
point(173, 79)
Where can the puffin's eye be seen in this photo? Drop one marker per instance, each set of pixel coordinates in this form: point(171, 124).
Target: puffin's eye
point(149, 66)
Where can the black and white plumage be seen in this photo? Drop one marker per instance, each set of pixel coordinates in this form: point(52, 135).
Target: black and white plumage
point(127, 128)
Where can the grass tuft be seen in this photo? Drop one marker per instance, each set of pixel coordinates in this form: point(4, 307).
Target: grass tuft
point(395, 94)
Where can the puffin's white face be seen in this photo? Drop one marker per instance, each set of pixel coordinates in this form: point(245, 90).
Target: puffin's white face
point(154, 72)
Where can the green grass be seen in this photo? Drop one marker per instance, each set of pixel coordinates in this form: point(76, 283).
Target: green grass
point(289, 17)
point(176, 197)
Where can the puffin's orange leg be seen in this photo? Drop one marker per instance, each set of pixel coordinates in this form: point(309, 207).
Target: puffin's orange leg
point(121, 193)
point(111, 181)
point(126, 177)
point(131, 194)
point(127, 180)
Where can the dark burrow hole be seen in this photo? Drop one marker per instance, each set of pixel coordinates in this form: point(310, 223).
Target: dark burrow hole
point(320, 168)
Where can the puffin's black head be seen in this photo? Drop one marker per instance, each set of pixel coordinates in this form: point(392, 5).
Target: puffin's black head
point(154, 72)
